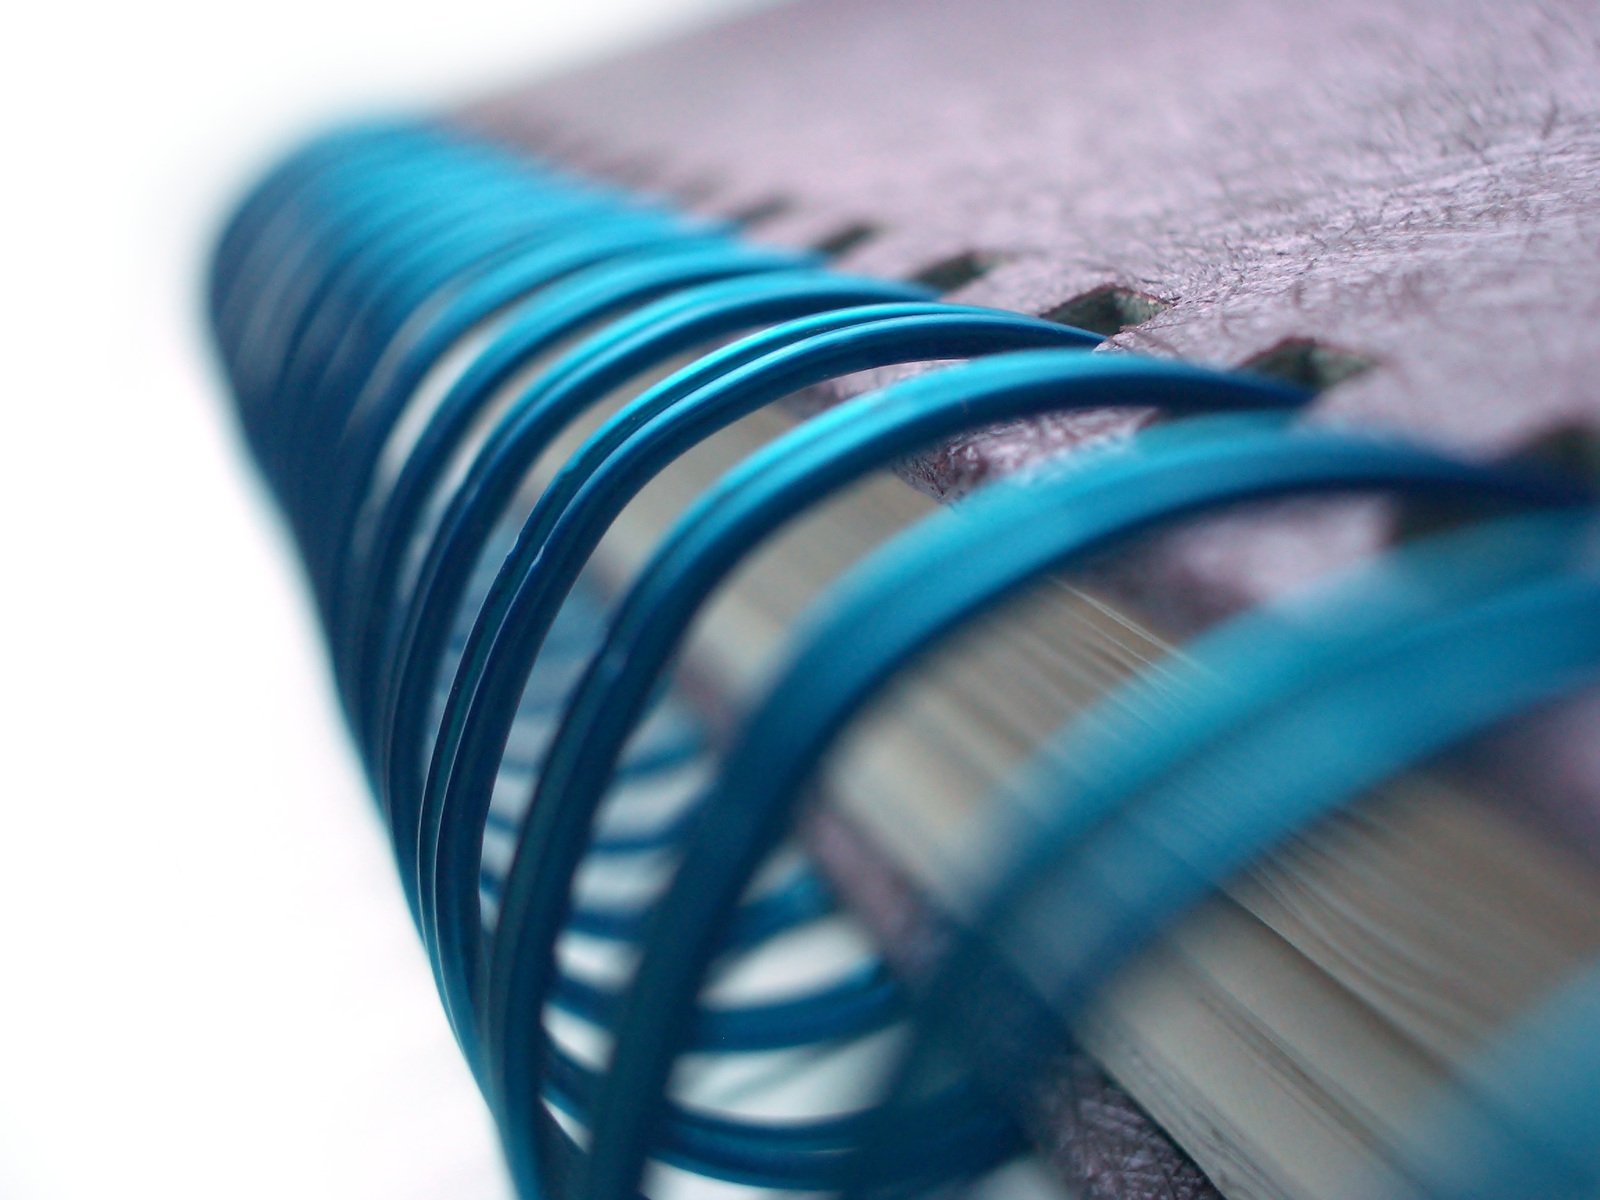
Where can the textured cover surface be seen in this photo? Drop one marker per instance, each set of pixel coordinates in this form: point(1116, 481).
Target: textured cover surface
point(1410, 182)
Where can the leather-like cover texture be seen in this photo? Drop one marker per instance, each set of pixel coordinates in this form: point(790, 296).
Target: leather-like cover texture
point(1413, 180)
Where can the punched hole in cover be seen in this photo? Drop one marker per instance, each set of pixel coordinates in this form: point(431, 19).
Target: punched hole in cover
point(948, 274)
point(761, 210)
point(1568, 452)
point(1308, 363)
point(1108, 309)
point(845, 239)
point(1570, 448)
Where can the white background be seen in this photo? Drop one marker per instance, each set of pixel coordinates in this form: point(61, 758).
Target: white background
point(210, 986)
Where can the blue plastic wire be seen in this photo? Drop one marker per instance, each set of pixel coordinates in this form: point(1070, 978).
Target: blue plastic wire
point(362, 331)
point(584, 377)
point(541, 571)
point(524, 210)
point(352, 243)
point(365, 427)
point(258, 225)
point(563, 241)
point(584, 299)
point(401, 781)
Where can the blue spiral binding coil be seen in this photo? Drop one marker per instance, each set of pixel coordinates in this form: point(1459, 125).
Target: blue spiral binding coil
point(862, 642)
point(1151, 799)
point(410, 321)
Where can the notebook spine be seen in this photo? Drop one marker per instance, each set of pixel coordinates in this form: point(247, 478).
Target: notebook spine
point(378, 298)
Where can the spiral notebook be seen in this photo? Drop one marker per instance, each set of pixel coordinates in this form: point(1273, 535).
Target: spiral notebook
point(994, 597)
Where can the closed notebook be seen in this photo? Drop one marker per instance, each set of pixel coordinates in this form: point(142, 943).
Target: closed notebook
point(987, 596)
